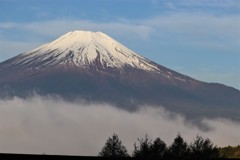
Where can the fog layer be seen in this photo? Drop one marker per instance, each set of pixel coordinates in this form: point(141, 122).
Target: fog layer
point(53, 126)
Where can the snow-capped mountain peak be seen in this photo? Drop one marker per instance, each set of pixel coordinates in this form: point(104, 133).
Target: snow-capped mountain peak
point(85, 48)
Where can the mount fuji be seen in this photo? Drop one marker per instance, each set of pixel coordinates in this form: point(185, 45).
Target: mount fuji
point(93, 67)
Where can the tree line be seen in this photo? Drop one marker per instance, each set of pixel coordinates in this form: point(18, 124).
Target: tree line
point(146, 148)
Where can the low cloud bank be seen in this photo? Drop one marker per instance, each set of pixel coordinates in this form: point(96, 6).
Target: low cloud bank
point(53, 126)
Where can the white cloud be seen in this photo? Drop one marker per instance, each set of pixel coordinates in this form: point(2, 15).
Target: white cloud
point(206, 3)
point(11, 48)
point(199, 29)
point(59, 27)
point(52, 126)
point(209, 75)
point(187, 29)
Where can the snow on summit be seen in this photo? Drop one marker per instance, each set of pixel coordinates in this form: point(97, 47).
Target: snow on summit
point(83, 48)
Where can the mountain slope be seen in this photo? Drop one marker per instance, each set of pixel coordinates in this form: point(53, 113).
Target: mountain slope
point(96, 68)
point(81, 48)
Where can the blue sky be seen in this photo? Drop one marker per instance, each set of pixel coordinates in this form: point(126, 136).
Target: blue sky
point(200, 38)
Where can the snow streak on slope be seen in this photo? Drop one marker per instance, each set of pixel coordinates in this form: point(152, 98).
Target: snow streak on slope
point(84, 48)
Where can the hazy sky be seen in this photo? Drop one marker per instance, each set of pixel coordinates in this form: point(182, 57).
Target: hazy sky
point(200, 38)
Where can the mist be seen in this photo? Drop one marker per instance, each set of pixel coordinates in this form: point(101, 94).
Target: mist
point(53, 126)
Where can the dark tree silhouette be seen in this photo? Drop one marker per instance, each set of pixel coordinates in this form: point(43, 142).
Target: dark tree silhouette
point(200, 148)
point(113, 148)
point(144, 148)
point(203, 148)
point(158, 148)
point(179, 148)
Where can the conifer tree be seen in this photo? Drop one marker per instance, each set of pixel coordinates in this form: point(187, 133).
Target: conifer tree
point(158, 148)
point(203, 148)
point(143, 150)
point(179, 148)
point(113, 148)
